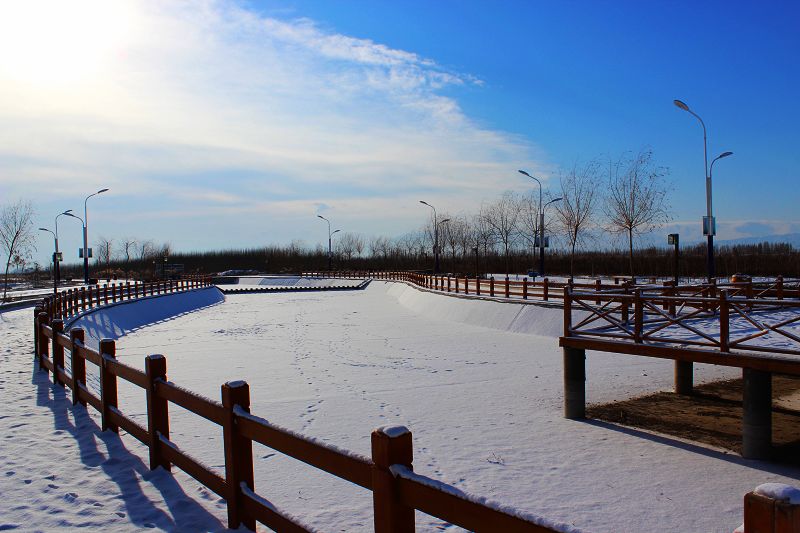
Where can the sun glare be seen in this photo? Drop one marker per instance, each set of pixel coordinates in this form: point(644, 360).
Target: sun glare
point(58, 41)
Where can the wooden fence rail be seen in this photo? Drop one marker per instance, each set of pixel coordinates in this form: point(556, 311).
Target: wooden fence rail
point(547, 290)
point(396, 490)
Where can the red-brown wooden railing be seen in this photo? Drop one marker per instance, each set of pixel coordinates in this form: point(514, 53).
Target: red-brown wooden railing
point(397, 491)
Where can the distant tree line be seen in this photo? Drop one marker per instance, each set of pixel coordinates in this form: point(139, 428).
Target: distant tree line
point(593, 206)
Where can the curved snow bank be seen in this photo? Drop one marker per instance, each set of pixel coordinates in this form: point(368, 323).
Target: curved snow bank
point(296, 281)
point(114, 321)
point(515, 317)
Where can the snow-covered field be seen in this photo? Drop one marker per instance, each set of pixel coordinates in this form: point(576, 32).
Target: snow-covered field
point(484, 404)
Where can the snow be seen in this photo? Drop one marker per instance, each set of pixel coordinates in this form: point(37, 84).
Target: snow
point(116, 320)
point(779, 491)
point(404, 472)
point(295, 281)
point(484, 405)
point(394, 431)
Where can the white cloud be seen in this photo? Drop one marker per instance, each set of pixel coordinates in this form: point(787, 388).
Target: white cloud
point(269, 106)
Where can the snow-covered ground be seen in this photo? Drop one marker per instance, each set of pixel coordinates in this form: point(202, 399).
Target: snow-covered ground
point(292, 281)
point(484, 404)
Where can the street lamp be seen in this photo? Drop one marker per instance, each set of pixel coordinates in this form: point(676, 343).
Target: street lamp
point(542, 237)
point(435, 238)
point(709, 225)
point(330, 236)
point(55, 258)
point(86, 236)
point(541, 221)
point(57, 267)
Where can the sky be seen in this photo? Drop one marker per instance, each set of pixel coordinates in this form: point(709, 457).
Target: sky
point(225, 123)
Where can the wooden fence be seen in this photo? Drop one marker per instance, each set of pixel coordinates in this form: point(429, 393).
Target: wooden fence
point(676, 317)
point(396, 490)
point(547, 290)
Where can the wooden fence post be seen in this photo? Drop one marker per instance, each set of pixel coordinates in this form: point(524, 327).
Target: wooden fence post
point(545, 289)
point(724, 321)
point(779, 287)
point(525, 288)
point(772, 508)
point(477, 285)
point(238, 454)
point(567, 310)
point(36, 311)
point(491, 286)
point(78, 364)
point(466, 285)
point(83, 298)
point(391, 445)
point(58, 350)
point(44, 346)
point(108, 385)
point(105, 293)
point(448, 283)
point(638, 316)
point(456, 284)
point(157, 409)
point(508, 288)
point(597, 288)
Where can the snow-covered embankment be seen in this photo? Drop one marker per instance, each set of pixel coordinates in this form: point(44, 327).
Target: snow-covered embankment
point(114, 321)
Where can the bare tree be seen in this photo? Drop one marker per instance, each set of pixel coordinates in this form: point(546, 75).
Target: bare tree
point(105, 251)
point(128, 247)
point(577, 208)
point(636, 198)
point(16, 235)
point(146, 249)
point(346, 245)
point(502, 216)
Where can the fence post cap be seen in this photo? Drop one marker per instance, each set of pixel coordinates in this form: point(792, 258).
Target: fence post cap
point(392, 431)
point(779, 491)
point(154, 356)
point(235, 384)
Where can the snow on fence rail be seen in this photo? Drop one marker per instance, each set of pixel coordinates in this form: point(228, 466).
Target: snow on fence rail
point(547, 290)
point(395, 496)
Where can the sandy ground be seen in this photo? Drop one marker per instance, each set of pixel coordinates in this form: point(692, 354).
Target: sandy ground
point(713, 415)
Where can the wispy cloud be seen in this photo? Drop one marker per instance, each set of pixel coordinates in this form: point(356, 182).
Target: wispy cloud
point(257, 106)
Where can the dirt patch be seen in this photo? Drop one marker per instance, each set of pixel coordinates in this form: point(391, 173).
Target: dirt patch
point(713, 415)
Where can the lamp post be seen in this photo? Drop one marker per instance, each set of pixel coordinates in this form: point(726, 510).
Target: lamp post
point(542, 237)
point(86, 236)
point(435, 238)
point(56, 266)
point(55, 258)
point(709, 225)
point(330, 239)
point(541, 221)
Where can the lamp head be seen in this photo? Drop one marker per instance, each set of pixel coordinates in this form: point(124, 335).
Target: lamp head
point(424, 202)
point(335, 231)
point(322, 217)
point(724, 154)
point(557, 199)
point(681, 105)
point(101, 190)
point(443, 221)
point(524, 173)
point(67, 212)
point(43, 229)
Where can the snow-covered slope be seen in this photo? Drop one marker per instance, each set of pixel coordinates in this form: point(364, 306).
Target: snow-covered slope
point(114, 321)
point(511, 316)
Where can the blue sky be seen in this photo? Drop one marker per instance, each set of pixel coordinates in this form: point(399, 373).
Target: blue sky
point(222, 123)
